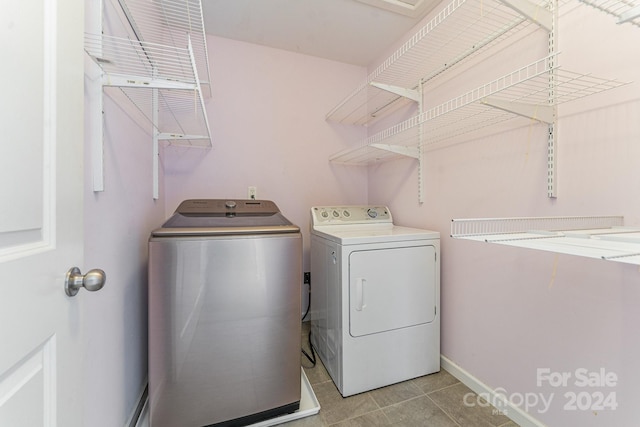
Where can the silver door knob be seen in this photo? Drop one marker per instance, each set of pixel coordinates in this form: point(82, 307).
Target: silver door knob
point(93, 281)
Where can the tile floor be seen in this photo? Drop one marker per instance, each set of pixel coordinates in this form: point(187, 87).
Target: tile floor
point(434, 400)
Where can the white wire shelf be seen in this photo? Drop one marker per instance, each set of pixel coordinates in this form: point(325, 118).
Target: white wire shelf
point(135, 67)
point(401, 140)
point(174, 23)
point(524, 92)
point(460, 30)
point(600, 237)
point(627, 11)
point(129, 62)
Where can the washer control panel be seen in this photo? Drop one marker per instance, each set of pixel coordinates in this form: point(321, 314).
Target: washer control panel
point(324, 215)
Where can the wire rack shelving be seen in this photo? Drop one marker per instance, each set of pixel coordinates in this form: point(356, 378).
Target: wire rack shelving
point(158, 72)
point(460, 30)
point(626, 11)
point(524, 92)
point(600, 237)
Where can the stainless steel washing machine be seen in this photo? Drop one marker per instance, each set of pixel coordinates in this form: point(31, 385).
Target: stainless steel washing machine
point(224, 315)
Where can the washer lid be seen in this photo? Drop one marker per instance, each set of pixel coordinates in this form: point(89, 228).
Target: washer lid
point(226, 217)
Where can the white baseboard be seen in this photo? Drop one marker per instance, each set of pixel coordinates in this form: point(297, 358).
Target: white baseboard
point(515, 413)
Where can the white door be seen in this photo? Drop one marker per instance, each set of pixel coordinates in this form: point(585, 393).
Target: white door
point(41, 122)
point(391, 288)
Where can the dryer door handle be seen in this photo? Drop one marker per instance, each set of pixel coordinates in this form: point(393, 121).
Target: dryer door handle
point(360, 294)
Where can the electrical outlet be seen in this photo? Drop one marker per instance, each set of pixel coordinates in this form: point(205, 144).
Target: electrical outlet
point(252, 193)
point(307, 278)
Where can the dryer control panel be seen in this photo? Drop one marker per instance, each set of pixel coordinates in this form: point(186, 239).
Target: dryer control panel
point(337, 215)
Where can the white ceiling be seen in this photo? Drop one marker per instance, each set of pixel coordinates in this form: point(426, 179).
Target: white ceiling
point(351, 31)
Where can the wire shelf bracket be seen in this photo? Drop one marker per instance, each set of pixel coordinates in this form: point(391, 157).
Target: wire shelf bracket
point(537, 13)
point(411, 94)
point(541, 113)
point(399, 149)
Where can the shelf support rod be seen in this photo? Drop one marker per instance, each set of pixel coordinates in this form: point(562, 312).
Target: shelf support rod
point(552, 140)
point(130, 20)
point(411, 94)
point(541, 113)
point(533, 12)
point(155, 148)
point(420, 148)
point(155, 145)
point(95, 106)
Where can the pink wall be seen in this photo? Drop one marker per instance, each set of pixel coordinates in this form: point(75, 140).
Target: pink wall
point(507, 311)
point(118, 222)
point(267, 115)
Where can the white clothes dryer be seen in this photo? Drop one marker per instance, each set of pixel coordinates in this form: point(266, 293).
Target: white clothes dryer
point(375, 297)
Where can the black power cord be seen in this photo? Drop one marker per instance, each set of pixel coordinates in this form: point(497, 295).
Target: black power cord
point(308, 307)
point(311, 358)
